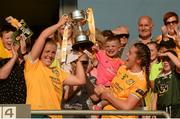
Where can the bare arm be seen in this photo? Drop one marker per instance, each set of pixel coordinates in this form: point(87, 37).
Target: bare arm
point(6, 69)
point(177, 36)
point(154, 103)
point(39, 44)
point(23, 48)
point(79, 78)
point(173, 58)
point(103, 103)
point(69, 91)
point(127, 104)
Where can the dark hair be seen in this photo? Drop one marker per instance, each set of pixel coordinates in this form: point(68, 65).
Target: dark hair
point(168, 15)
point(6, 28)
point(144, 54)
point(169, 44)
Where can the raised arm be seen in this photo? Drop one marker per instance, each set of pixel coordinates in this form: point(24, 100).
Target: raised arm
point(154, 103)
point(177, 37)
point(6, 69)
point(120, 104)
point(79, 78)
point(173, 58)
point(39, 44)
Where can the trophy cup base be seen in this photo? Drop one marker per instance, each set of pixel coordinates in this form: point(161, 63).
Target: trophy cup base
point(82, 45)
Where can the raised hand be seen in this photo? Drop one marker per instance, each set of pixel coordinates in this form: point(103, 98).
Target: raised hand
point(15, 49)
point(177, 37)
point(162, 54)
point(63, 20)
point(23, 44)
point(164, 30)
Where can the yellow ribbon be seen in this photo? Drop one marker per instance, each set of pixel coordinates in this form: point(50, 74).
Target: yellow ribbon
point(14, 22)
point(91, 24)
point(64, 44)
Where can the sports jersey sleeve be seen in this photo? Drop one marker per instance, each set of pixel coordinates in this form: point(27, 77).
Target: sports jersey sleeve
point(63, 75)
point(29, 64)
point(139, 89)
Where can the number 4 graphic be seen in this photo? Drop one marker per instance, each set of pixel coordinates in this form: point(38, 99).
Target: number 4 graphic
point(9, 112)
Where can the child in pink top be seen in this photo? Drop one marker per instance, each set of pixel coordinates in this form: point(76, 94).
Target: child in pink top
point(108, 61)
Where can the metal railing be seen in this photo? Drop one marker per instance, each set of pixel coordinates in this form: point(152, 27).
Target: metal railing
point(107, 112)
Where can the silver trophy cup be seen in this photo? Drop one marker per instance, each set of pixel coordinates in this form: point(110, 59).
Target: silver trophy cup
point(79, 18)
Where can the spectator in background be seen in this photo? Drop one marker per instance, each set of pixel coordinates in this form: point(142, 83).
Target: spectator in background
point(145, 27)
point(167, 85)
point(122, 32)
point(6, 41)
point(170, 30)
point(154, 71)
point(167, 45)
point(12, 81)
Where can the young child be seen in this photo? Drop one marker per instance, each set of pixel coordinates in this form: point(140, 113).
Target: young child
point(154, 71)
point(167, 85)
point(108, 64)
point(108, 61)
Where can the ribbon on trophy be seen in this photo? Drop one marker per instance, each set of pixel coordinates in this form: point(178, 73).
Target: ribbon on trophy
point(91, 24)
point(14, 22)
point(22, 29)
point(64, 43)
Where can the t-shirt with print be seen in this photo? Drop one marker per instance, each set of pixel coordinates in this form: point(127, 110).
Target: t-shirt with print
point(168, 89)
point(44, 85)
point(107, 68)
point(127, 83)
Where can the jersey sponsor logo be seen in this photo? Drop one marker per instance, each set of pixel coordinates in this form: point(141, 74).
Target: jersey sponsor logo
point(124, 76)
point(163, 88)
point(116, 86)
point(55, 71)
point(55, 79)
point(130, 81)
point(56, 83)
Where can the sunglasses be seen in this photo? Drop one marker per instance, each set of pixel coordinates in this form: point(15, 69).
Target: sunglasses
point(122, 35)
point(171, 22)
